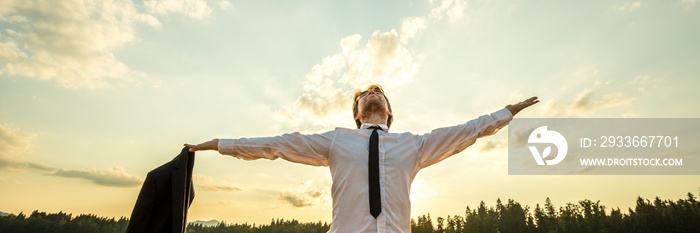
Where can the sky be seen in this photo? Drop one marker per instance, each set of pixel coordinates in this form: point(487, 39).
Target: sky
point(94, 94)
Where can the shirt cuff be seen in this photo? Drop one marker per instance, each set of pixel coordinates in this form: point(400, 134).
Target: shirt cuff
point(503, 114)
point(226, 146)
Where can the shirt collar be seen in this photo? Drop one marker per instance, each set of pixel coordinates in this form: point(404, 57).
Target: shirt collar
point(367, 125)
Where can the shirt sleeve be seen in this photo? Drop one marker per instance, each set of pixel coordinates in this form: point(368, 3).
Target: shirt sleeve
point(310, 149)
point(442, 143)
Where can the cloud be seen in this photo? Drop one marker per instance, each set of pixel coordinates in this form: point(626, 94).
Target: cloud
point(587, 101)
point(410, 26)
point(13, 144)
point(196, 177)
point(646, 83)
point(225, 5)
point(9, 50)
point(197, 9)
point(209, 184)
point(23, 163)
point(72, 42)
point(114, 177)
point(328, 89)
point(453, 9)
point(218, 188)
point(306, 195)
point(326, 100)
point(492, 144)
point(520, 136)
point(69, 42)
point(14, 140)
point(628, 6)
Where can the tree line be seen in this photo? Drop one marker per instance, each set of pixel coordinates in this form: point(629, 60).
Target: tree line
point(585, 216)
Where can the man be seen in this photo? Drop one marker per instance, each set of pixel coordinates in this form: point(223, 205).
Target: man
point(372, 169)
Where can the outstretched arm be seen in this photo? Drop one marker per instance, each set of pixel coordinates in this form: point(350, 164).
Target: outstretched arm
point(444, 142)
point(515, 108)
point(208, 145)
point(311, 149)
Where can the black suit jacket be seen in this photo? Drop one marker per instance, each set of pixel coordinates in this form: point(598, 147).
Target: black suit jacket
point(165, 197)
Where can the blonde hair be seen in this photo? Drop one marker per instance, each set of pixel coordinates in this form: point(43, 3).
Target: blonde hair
point(356, 100)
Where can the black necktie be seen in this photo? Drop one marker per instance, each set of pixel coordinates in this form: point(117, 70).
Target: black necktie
point(375, 196)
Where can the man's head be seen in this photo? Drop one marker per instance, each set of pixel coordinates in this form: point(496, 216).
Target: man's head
point(371, 104)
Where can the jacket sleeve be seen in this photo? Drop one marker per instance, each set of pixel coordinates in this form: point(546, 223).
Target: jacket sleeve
point(310, 149)
point(442, 143)
point(144, 208)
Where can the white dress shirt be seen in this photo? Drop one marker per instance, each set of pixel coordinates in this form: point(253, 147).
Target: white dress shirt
point(345, 151)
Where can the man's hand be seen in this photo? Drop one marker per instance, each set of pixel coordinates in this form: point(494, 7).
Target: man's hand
point(209, 145)
point(515, 108)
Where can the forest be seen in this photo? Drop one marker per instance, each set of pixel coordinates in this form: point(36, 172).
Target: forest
point(655, 215)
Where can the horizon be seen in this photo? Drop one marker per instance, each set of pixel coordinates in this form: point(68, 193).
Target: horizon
point(95, 94)
point(528, 210)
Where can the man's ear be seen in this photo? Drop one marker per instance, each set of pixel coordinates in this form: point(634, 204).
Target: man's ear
point(388, 113)
point(358, 117)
